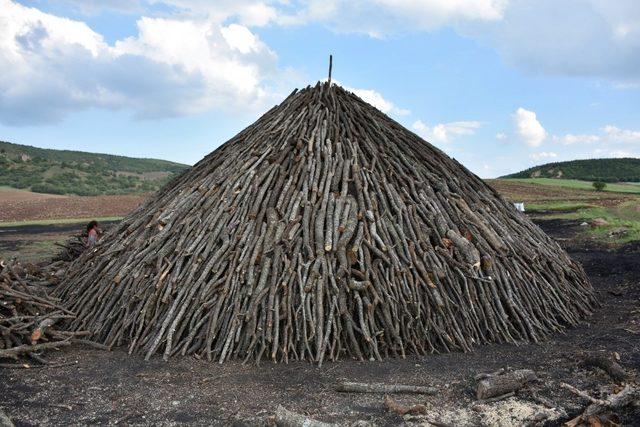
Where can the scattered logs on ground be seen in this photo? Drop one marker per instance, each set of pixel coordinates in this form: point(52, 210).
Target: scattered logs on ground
point(29, 316)
point(324, 230)
point(629, 395)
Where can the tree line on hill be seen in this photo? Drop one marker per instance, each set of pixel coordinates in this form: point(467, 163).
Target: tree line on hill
point(85, 174)
point(605, 170)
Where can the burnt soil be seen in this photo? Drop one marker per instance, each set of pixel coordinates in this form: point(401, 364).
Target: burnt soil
point(88, 386)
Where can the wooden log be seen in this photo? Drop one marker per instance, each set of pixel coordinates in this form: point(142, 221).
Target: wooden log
point(353, 387)
point(611, 367)
point(402, 410)
point(286, 418)
point(498, 385)
point(627, 396)
point(41, 329)
point(5, 421)
point(14, 352)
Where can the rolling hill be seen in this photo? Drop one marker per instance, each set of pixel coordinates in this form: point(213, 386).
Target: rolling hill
point(607, 170)
point(85, 174)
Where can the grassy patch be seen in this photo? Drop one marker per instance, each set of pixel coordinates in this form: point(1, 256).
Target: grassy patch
point(555, 206)
point(609, 233)
point(58, 221)
point(580, 185)
point(32, 251)
point(623, 221)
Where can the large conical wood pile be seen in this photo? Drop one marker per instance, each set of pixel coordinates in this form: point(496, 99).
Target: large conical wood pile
point(324, 230)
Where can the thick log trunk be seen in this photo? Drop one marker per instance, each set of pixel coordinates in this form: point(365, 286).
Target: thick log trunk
point(508, 382)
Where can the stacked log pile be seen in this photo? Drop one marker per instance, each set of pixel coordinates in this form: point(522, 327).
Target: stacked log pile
point(324, 230)
point(28, 315)
point(71, 249)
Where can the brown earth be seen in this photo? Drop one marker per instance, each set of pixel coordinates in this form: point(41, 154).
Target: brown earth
point(11, 195)
point(19, 205)
point(93, 387)
point(537, 193)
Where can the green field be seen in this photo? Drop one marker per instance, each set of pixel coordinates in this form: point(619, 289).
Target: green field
point(580, 185)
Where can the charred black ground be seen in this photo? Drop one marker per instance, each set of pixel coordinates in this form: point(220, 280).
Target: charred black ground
point(324, 230)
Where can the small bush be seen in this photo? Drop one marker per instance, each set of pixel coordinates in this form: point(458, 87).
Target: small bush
point(599, 185)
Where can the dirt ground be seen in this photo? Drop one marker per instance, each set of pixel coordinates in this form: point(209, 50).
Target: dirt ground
point(87, 386)
point(536, 193)
point(19, 205)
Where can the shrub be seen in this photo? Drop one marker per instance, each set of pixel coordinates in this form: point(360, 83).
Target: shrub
point(599, 185)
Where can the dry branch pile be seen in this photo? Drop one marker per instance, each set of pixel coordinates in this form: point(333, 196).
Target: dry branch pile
point(28, 315)
point(71, 249)
point(75, 245)
point(324, 230)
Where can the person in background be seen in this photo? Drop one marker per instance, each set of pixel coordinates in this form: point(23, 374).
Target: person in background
point(92, 234)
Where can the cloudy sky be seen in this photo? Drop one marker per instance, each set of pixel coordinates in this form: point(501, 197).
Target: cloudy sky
point(498, 84)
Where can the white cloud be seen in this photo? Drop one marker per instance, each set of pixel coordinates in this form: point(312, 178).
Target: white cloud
point(570, 139)
point(376, 99)
point(445, 132)
point(248, 12)
point(616, 134)
point(607, 153)
point(501, 136)
point(528, 128)
point(595, 38)
point(544, 155)
point(599, 38)
point(609, 134)
point(52, 66)
point(241, 39)
point(379, 18)
point(92, 7)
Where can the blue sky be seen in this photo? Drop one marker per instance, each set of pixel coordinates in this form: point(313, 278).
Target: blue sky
point(498, 84)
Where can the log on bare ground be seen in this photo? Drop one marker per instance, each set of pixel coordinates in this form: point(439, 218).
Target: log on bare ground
point(5, 421)
point(286, 418)
point(402, 410)
point(352, 387)
point(611, 367)
point(627, 396)
point(498, 385)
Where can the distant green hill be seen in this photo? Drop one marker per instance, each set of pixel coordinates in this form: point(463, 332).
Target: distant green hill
point(607, 170)
point(85, 174)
